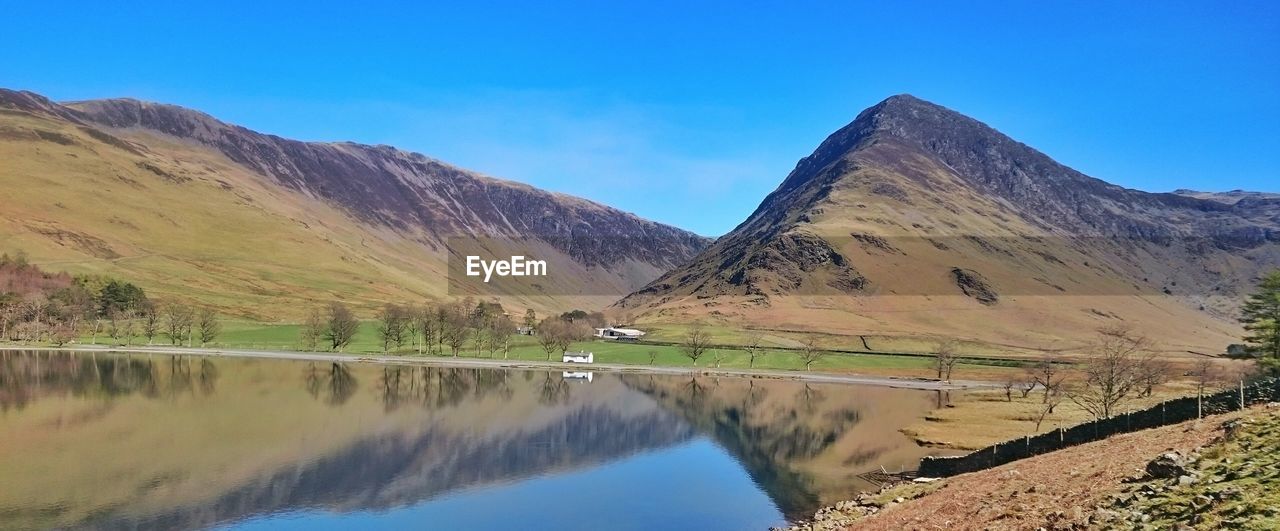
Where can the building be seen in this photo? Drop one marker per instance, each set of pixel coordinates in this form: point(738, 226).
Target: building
point(580, 376)
point(619, 333)
point(578, 357)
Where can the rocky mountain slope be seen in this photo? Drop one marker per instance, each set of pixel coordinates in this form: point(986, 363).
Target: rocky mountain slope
point(194, 207)
point(915, 220)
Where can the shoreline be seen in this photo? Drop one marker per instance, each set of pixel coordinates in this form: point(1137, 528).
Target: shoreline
point(812, 377)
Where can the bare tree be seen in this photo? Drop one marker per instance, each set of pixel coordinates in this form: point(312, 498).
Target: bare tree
point(498, 335)
point(945, 357)
point(717, 357)
point(1207, 376)
point(61, 334)
point(455, 327)
point(177, 321)
point(653, 357)
point(341, 326)
point(696, 342)
point(1152, 372)
point(571, 333)
point(391, 326)
point(429, 326)
point(150, 323)
point(753, 348)
point(1112, 371)
point(412, 327)
point(209, 326)
point(549, 332)
point(1009, 384)
point(312, 330)
point(1051, 400)
point(1048, 373)
point(810, 352)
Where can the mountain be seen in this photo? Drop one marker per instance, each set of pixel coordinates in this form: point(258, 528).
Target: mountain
point(192, 207)
point(917, 221)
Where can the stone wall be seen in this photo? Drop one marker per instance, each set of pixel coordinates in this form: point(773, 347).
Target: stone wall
point(1163, 414)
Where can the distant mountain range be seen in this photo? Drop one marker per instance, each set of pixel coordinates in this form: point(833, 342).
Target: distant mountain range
point(911, 221)
point(916, 220)
point(192, 207)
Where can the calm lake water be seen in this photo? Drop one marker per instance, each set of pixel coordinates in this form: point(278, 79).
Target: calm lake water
point(181, 442)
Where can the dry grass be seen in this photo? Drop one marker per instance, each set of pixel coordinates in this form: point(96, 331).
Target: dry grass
point(1058, 490)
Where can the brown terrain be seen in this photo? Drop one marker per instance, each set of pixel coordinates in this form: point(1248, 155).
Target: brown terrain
point(917, 221)
point(1218, 472)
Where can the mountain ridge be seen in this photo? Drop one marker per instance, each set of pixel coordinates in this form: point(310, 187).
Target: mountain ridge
point(409, 203)
point(914, 199)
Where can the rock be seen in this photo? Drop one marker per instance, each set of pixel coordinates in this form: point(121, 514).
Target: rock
point(899, 499)
point(1201, 502)
point(1186, 479)
point(1168, 465)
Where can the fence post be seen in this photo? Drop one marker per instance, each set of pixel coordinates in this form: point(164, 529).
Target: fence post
point(1242, 395)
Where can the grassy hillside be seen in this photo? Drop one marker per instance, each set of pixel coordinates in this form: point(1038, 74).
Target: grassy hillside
point(190, 225)
point(186, 219)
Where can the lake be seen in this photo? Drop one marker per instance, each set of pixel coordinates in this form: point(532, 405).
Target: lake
point(96, 440)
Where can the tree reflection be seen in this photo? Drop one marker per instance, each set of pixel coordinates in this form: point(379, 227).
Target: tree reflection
point(28, 375)
point(342, 384)
point(554, 390)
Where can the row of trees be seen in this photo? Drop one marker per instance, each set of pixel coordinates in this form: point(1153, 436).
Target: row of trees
point(437, 329)
point(37, 306)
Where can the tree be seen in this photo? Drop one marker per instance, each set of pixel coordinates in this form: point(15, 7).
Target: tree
point(717, 357)
point(150, 322)
point(455, 325)
point(208, 326)
point(61, 334)
point(177, 322)
point(429, 319)
point(653, 356)
point(1261, 318)
point(572, 333)
point(115, 323)
point(530, 319)
point(753, 348)
point(1111, 372)
point(1207, 376)
point(549, 332)
point(312, 330)
point(498, 335)
point(391, 326)
point(945, 357)
point(809, 352)
point(696, 342)
point(341, 326)
point(413, 326)
point(1048, 373)
point(1052, 398)
point(1152, 372)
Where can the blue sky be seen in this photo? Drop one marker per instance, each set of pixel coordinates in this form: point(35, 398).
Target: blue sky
point(688, 112)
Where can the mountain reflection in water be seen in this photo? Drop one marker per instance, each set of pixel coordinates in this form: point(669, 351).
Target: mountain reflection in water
point(158, 441)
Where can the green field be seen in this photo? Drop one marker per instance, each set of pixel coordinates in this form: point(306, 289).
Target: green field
point(259, 336)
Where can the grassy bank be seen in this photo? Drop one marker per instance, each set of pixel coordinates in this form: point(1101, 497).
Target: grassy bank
point(662, 352)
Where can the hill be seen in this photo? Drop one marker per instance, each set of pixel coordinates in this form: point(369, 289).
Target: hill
point(194, 208)
point(915, 220)
point(1223, 476)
